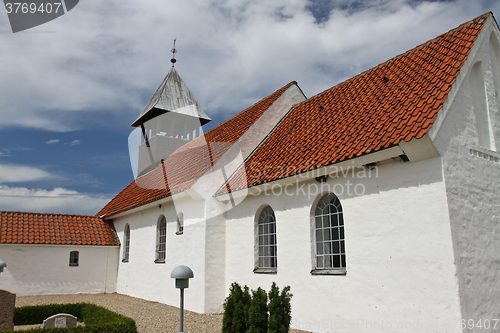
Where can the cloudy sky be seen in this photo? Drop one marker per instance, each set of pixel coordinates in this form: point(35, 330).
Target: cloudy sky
point(70, 88)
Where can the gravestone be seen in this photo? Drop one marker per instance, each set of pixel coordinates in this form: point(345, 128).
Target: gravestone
point(60, 320)
point(7, 304)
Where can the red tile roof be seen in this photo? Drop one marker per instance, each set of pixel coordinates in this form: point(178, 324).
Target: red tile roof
point(394, 101)
point(60, 229)
point(190, 161)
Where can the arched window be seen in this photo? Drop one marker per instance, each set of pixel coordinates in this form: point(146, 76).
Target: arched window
point(329, 233)
point(126, 243)
point(266, 240)
point(161, 240)
point(180, 224)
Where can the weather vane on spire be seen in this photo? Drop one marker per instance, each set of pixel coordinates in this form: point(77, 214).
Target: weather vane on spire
point(174, 51)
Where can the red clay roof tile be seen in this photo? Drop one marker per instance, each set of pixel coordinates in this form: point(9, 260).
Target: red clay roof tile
point(394, 101)
point(55, 229)
point(410, 98)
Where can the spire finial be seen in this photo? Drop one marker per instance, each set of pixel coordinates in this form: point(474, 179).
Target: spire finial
point(174, 51)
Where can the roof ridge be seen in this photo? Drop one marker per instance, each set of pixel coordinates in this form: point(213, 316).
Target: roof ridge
point(494, 19)
point(260, 100)
point(242, 165)
point(39, 213)
point(363, 73)
point(219, 128)
point(449, 32)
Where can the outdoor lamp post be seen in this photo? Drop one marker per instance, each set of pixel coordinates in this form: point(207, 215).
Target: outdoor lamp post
point(182, 274)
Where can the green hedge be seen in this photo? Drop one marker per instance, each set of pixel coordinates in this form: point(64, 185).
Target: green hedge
point(97, 319)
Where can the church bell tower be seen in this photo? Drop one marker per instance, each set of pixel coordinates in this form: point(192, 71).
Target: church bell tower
point(170, 119)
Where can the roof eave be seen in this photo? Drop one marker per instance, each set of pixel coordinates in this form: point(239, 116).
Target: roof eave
point(148, 205)
point(51, 244)
point(415, 150)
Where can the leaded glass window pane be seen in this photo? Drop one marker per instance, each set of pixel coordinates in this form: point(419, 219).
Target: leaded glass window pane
point(161, 242)
point(329, 233)
point(126, 248)
point(268, 250)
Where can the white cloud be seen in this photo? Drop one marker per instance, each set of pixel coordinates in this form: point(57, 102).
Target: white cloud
point(58, 200)
point(75, 143)
point(51, 142)
point(111, 55)
point(20, 173)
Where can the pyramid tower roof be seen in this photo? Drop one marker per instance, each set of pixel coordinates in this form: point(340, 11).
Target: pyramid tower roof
point(172, 95)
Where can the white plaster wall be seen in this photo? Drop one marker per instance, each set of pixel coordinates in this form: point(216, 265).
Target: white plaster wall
point(472, 188)
point(45, 270)
point(141, 276)
point(400, 266)
point(215, 264)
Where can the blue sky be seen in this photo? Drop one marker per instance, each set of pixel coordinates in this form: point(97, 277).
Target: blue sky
point(70, 88)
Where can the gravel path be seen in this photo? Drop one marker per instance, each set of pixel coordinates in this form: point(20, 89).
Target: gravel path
point(150, 317)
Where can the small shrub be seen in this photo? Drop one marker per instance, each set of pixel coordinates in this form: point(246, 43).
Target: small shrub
point(236, 308)
point(246, 301)
point(257, 313)
point(279, 309)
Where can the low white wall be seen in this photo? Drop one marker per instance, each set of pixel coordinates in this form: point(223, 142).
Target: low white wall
point(400, 265)
point(45, 270)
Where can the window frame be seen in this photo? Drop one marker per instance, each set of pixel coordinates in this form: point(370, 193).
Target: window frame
point(161, 240)
point(266, 220)
point(328, 207)
point(126, 245)
point(74, 258)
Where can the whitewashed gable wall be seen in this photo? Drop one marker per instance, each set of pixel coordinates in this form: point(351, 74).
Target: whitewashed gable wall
point(467, 140)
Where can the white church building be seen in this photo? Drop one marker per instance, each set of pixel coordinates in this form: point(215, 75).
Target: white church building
point(376, 201)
